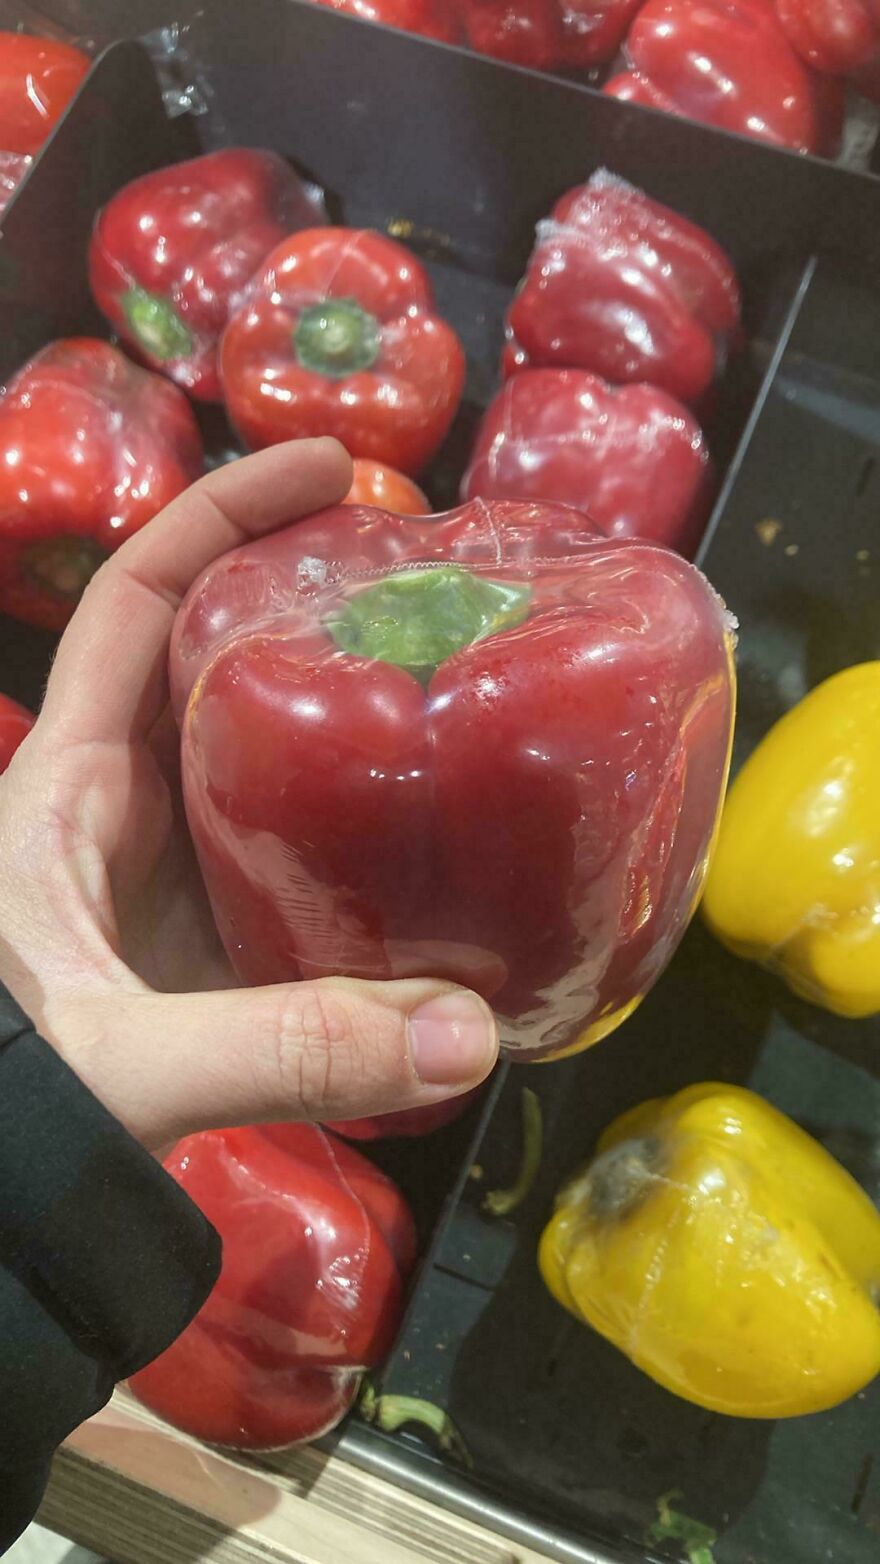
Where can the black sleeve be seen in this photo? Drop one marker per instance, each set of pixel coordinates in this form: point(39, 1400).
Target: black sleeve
point(103, 1260)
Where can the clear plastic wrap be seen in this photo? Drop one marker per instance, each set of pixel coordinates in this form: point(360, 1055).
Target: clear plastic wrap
point(726, 1253)
point(173, 253)
point(339, 337)
point(317, 1245)
point(631, 456)
point(620, 285)
point(91, 448)
point(489, 746)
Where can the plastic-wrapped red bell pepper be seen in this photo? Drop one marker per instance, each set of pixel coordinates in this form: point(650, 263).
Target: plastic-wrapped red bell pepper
point(730, 64)
point(837, 36)
point(172, 254)
point(15, 725)
point(431, 18)
point(631, 456)
point(625, 287)
point(91, 448)
point(317, 1244)
point(548, 34)
point(38, 78)
point(488, 746)
point(339, 336)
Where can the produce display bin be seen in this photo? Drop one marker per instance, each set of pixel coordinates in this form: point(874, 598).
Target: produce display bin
point(572, 1451)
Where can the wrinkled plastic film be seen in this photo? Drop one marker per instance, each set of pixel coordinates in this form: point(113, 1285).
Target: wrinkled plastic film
point(631, 457)
point(621, 285)
point(316, 1246)
point(514, 786)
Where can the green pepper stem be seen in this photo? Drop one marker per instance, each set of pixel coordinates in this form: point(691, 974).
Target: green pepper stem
point(501, 1202)
point(157, 327)
point(337, 338)
point(418, 618)
point(390, 1413)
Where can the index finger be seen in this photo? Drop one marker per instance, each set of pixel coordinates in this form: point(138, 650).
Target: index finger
point(108, 683)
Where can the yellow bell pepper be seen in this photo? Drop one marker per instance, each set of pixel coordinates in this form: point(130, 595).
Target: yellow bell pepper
point(795, 882)
point(725, 1252)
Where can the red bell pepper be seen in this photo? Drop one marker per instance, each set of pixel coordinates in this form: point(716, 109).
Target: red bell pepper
point(15, 725)
point(317, 1244)
point(503, 767)
point(172, 254)
point(625, 287)
point(408, 1124)
point(431, 18)
point(38, 78)
point(837, 36)
point(376, 484)
point(91, 448)
point(632, 457)
point(548, 34)
point(730, 64)
point(339, 337)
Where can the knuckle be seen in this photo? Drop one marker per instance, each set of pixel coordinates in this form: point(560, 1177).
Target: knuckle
point(315, 1048)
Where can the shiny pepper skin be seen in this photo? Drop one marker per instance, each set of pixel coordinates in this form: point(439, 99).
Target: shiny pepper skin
point(339, 336)
point(632, 457)
point(38, 78)
point(729, 63)
point(726, 1253)
point(627, 288)
point(795, 883)
point(838, 36)
point(317, 1245)
point(172, 254)
point(488, 746)
point(91, 448)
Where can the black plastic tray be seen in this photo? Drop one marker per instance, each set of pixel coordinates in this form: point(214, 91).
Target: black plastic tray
point(572, 1448)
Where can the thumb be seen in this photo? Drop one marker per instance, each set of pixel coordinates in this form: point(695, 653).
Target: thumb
point(170, 1064)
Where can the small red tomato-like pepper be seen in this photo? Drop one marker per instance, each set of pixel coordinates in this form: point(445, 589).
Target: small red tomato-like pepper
point(837, 36)
point(621, 285)
point(91, 448)
point(488, 746)
point(376, 484)
point(548, 34)
point(730, 64)
point(172, 254)
point(339, 337)
point(15, 725)
point(38, 78)
point(431, 18)
point(407, 1124)
point(631, 456)
point(317, 1244)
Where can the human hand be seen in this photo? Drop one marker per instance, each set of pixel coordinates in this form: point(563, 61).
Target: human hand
point(106, 936)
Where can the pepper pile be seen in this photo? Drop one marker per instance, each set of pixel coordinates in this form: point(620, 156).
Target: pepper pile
point(772, 69)
point(626, 311)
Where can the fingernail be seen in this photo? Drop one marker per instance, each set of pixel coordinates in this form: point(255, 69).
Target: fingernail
point(451, 1040)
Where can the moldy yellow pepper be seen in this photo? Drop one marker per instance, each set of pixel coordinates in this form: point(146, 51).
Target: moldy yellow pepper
point(795, 882)
point(725, 1252)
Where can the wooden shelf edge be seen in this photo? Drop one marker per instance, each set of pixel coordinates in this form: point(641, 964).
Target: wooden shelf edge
point(137, 1492)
